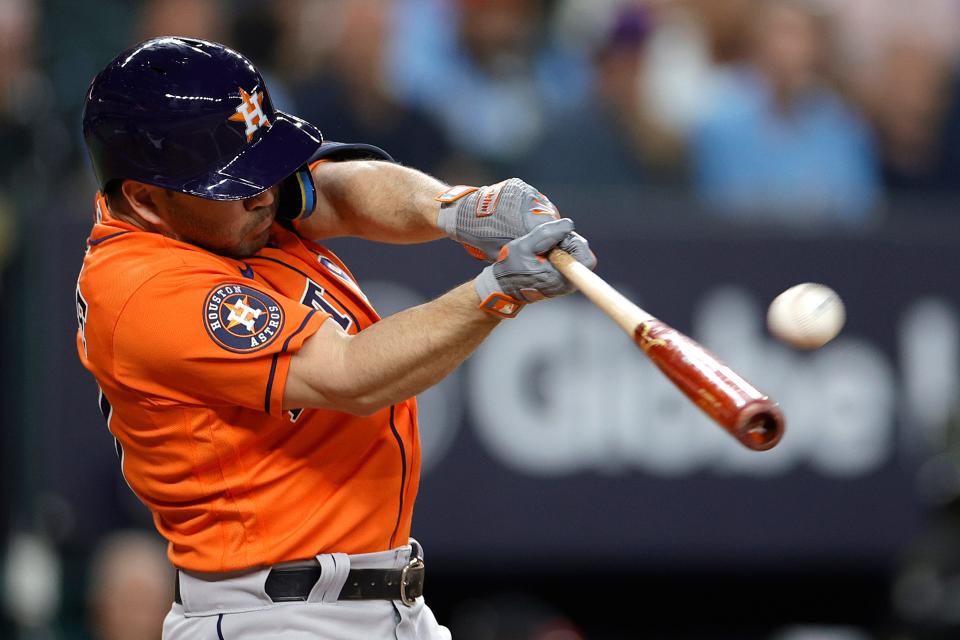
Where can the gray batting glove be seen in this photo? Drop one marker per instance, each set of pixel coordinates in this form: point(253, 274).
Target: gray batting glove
point(522, 274)
point(483, 219)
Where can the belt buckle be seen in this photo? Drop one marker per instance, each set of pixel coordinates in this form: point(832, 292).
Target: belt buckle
point(411, 581)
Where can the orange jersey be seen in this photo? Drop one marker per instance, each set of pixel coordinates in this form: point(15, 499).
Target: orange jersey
point(191, 351)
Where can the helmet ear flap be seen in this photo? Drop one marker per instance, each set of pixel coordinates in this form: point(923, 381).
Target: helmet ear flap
point(297, 196)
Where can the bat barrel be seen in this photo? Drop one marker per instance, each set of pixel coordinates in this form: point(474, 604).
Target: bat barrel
point(759, 425)
point(749, 416)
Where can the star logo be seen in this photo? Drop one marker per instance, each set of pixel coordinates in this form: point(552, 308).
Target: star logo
point(242, 313)
point(250, 112)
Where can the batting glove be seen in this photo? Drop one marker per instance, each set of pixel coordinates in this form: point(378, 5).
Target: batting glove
point(522, 274)
point(484, 219)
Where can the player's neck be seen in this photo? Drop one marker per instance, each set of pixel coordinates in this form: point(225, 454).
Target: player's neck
point(121, 210)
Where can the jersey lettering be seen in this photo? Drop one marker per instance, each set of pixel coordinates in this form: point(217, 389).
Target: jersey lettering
point(105, 409)
point(340, 273)
point(313, 297)
point(82, 318)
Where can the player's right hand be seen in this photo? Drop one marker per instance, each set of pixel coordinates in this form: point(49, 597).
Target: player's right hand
point(484, 219)
point(522, 273)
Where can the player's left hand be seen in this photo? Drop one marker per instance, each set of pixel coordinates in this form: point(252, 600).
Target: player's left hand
point(484, 219)
point(523, 274)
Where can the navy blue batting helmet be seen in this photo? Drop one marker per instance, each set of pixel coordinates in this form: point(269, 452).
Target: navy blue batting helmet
point(194, 117)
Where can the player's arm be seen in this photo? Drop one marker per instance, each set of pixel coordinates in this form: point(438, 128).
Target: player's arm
point(408, 352)
point(387, 202)
point(375, 200)
point(396, 358)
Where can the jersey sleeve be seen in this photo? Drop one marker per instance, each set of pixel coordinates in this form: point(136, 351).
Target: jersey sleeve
point(204, 338)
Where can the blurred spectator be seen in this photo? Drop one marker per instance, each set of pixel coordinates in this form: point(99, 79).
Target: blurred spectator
point(909, 105)
point(130, 587)
point(511, 616)
point(486, 69)
point(726, 25)
point(26, 96)
point(609, 141)
point(780, 143)
point(32, 576)
point(898, 60)
point(866, 29)
point(351, 103)
point(693, 41)
point(308, 31)
point(206, 20)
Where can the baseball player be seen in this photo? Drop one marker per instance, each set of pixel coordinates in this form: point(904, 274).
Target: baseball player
point(261, 408)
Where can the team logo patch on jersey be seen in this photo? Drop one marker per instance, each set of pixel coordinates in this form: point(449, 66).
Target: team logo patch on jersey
point(242, 319)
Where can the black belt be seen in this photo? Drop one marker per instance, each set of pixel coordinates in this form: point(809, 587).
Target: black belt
point(292, 584)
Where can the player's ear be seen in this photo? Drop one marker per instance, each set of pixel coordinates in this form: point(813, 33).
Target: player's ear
point(142, 200)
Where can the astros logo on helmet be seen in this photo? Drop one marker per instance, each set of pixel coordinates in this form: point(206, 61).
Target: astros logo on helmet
point(250, 112)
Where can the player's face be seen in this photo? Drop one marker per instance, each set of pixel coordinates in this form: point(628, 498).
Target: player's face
point(235, 228)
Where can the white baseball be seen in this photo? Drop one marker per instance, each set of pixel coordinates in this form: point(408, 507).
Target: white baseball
point(806, 316)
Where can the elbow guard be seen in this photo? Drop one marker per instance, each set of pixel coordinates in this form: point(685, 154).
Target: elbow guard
point(298, 193)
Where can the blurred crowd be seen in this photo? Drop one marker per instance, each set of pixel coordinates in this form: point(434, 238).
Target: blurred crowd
point(790, 112)
point(784, 110)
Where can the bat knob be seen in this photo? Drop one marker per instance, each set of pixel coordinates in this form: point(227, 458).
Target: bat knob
point(760, 425)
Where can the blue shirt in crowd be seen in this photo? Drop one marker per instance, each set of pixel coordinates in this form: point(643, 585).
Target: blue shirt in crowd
point(814, 160)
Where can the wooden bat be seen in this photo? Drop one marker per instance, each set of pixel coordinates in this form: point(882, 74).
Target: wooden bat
point(732, 402)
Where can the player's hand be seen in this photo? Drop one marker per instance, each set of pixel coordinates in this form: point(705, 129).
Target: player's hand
point(522, 273)
point(484, 219)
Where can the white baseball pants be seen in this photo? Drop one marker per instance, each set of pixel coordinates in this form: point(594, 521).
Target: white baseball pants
point(236, 607)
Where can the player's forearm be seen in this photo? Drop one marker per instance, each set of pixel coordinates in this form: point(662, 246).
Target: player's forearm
point(374, 200)
point(415, 349)
point(396, 358)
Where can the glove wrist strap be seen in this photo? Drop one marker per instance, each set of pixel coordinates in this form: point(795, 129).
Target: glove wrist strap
point(500, 305)
point(447, 216)
point(455, 193)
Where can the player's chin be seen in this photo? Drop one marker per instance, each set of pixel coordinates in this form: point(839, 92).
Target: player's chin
point(250, 247)
point(247, 247)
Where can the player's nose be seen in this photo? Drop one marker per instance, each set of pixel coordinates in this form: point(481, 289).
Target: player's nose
point(264, 199)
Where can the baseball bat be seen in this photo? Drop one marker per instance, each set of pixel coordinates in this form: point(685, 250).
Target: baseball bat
point(748, 415)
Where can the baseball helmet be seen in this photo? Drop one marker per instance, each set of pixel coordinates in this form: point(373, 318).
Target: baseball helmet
point(195, 117)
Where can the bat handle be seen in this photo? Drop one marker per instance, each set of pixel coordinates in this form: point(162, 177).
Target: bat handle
point(626, 314)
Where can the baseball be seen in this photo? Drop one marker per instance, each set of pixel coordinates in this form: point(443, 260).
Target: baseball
point(806, 316)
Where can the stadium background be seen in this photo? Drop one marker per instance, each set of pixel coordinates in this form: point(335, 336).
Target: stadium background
point(715, 152)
